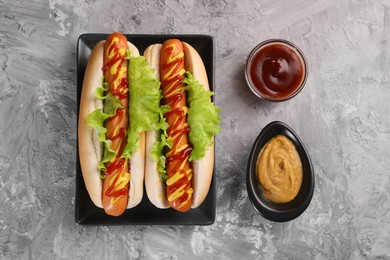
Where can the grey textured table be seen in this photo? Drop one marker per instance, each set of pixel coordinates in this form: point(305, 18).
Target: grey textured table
point(342, 115)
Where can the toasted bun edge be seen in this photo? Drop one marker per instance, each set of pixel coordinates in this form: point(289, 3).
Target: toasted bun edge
point(154, 187)
point(203, 168)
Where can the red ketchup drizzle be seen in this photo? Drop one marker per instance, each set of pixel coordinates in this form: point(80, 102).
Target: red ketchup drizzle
point(179, 113)
point(177, 185)
point(173, 97)
point(184, 181)
point(115, 166)
point(179, 157)
point(168, 89)
point(120, 112)
point(117, 57)
point(121, 135)
point(176, 63)
point(120, 91)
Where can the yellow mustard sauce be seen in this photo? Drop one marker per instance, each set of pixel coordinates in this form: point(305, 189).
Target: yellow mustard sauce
point(279, 170)
point(178, 184)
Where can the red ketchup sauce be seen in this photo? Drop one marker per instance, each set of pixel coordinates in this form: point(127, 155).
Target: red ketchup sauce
point(121, 90)
point(184, 181)
point(116, 167)
point(176, 157)
point(276, 71)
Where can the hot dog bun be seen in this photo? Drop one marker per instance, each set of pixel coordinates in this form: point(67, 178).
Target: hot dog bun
point(153, 186)
point(202, 170)
point(137, 161)
point(91, 150)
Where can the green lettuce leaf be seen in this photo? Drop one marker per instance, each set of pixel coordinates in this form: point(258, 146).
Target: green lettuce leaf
point(111, 104)
point(100, 91)
point(159, 146)
point(202, 117)
point(144, 102)
point(96, 120)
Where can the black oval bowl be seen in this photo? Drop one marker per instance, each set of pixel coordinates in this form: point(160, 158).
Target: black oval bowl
point(284, 211)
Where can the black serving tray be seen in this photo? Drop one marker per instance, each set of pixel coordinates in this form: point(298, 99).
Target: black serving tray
point(145, 213)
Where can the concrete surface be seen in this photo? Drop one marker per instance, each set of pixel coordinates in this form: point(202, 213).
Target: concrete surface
point(342, 115)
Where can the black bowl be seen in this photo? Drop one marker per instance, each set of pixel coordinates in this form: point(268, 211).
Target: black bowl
point(279, 212)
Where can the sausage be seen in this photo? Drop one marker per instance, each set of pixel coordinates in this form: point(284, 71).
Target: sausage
point(116, 183)
point(179, 190)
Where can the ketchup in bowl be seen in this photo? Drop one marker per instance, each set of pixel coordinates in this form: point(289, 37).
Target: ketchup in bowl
point(276, 70)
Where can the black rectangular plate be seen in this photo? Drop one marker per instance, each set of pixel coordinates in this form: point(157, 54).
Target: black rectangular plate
point(145, 213)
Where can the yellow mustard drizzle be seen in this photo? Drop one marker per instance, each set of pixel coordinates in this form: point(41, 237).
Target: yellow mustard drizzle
point(177, 194)
point(182, 71)
point(190, 191)
point(116, 131)
point(169, 75)
point(118, 79)
point(114, 67)
point(111, 54)
point(121, 177)
point(169, 92)
point(121, 182)
point(122, 51)
point(189, 173)
point(177, 176)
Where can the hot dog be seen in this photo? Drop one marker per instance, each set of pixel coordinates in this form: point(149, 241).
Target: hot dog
point(113, 118)
point(187, 141)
